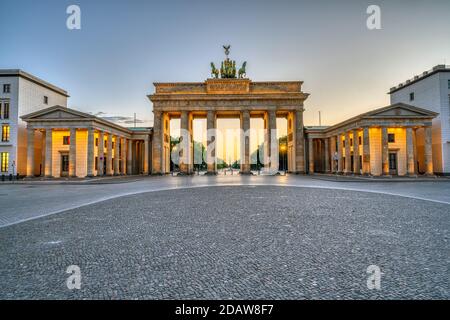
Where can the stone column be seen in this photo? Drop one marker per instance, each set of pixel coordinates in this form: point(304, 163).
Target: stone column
point(327, 155)
point(299, 142)
point(311, 155)
point(410, 162)
point(428, 151)
point(100, 153)
point(157, 143)
point(30, 152)
point(384, 151)
point(109, 155)
point(333, 152)
point(245, 126)
point(185, 144)
point(348, 160)
point(123, 156)
point(130, 157)
point(48, 153)
point(339, 151)
point(116, 155)
point(90, 153)
point(366, 151)
point(356, 163)
point(146, 150)
point(273, 141)
point(73, 153)
point(211, 142)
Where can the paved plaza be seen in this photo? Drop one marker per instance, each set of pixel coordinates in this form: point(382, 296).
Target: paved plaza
point(293, 237)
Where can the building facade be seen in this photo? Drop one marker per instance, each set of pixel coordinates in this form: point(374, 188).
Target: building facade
point(22, 93)
point(382, 142)
point(395, 140)
point(237, 98)
point(69, 143)
point(431, 90)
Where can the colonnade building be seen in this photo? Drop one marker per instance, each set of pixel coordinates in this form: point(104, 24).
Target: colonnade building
point(393, 140)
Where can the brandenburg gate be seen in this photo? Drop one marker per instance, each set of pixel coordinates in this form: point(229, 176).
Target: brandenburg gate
point(227, 94)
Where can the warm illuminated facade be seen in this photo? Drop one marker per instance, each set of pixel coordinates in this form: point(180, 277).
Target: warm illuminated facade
point(64, 142)
point(431, 90)
point(395, 140)
point(21, 93)
point(236, 98)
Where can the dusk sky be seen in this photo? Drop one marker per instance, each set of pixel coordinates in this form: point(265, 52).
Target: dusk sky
point(124, 46)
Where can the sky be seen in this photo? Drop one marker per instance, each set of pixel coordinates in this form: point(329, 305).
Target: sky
point(109, 65)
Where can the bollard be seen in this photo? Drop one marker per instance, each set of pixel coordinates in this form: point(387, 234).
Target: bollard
point(3, 177)
point(10, 177)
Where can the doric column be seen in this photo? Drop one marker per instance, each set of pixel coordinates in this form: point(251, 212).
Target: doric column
point(245, 126)
point(327, 155)
point(348, 160)
point(130, 157)
point(356, 163)
point(410, 163)
point(185, 144)
point(384, 151)
point(73, 153)
point(116, 155)
point(146, 150)
point(273, 141)
point(299, 142)
point(211, 143)
point(109, 155)
point(30, 152)
point(123, 156)
point(366, 151)
point(428, 151)
point(100, 153)
point(90, 153)
point(311, 155)
point(339, 151)
point(333, 154)
point(157, 143)
point(48, 153)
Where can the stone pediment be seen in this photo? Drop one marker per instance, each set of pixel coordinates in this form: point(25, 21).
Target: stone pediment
point(400, 110)
point(57, 112)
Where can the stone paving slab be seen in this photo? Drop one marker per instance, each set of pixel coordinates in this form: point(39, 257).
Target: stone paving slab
point(235, 242)
point(24, 202)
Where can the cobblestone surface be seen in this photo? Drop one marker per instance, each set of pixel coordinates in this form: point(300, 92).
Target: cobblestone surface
point(243, 242)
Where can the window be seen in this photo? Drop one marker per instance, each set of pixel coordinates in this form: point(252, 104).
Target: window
point(343, 143)
point(5, 133)
point(96, 142)
point(6, 88)
point(96, 163)
point(359, 140)
point(411, 96)
point(45, 100)
point(4, 161)
point(6, 110)
point(113, 145)
point(351, 142)
point(391, 137)
point(66, 140)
